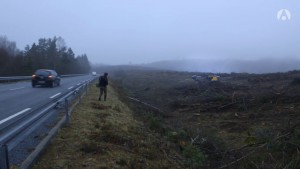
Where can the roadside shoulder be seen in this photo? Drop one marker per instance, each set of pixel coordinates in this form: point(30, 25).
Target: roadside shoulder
point(104, 135)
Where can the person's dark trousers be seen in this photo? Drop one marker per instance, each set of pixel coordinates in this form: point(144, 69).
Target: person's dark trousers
point(103, 90)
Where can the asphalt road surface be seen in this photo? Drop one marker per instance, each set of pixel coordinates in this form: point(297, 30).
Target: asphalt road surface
point(20, 98)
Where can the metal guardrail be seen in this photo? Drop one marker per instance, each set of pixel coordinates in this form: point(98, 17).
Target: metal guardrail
point(16, 130)
point(18, 78)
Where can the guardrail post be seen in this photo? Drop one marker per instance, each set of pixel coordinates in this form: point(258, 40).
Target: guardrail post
point(79, 95)
point(67, 112)
point(4, 162)
point(86, 89)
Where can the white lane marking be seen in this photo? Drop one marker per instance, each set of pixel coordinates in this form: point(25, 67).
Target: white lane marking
point(78, 83)
point(54, 95)
point(17, 88)
point(12, 116)
point(70, 87)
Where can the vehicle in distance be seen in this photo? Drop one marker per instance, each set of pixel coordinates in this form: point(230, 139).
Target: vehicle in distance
point(45, 77)
point(94, 73)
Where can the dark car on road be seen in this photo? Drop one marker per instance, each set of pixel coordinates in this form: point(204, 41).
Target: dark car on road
point(45, 77)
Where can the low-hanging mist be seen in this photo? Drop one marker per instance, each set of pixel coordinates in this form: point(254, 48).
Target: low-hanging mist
point(266, 65)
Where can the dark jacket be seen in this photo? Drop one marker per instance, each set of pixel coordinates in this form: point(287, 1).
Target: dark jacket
point(103, 81)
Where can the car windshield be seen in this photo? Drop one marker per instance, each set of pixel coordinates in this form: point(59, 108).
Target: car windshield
point(42, 72)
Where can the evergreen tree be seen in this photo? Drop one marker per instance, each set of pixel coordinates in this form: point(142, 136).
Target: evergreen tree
point(47, 53)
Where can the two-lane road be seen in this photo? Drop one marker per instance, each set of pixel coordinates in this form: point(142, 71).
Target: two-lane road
point(20, 98)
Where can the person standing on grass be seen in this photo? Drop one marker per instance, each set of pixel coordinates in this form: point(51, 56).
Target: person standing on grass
point(103, 82)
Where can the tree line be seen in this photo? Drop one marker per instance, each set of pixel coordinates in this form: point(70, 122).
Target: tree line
point(51, 53)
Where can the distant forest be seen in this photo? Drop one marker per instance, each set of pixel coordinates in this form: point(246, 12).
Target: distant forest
point(46, 54)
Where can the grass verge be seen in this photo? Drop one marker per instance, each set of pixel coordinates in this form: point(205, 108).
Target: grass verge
point(105, 135)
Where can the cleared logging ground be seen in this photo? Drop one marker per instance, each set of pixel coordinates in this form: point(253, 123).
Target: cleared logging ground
point(243, 121)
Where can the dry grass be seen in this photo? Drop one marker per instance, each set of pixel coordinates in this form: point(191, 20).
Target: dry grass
point(104, 135)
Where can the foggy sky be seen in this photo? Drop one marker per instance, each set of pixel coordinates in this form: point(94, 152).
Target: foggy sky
point(142, 31)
